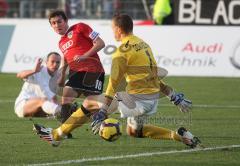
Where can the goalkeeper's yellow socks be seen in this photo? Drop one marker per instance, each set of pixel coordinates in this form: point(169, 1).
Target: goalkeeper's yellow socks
point(77, 119)
point(159, 133)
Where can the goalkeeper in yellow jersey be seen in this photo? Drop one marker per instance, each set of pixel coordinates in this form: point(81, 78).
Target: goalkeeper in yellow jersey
point(133, 63)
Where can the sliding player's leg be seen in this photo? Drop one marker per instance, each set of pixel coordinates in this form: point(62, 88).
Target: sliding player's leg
point(82, 115)
point(36, 107)
point(137, 128)
point(80, 83)
point(137, 117)
point(77, 119)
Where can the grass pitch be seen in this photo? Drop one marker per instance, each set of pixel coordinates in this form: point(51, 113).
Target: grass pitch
point(215, 119)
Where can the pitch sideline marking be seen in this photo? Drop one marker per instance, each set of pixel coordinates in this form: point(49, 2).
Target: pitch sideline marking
point(170, 105)
point(134, 155)
point(7, 101)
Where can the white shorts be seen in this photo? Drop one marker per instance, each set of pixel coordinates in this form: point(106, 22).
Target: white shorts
point(136, 117)
point(19, 108)
point(132, 105)
point(143, 107)
point(136, 110)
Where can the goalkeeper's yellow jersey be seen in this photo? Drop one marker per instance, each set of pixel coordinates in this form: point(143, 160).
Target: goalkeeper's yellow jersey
point(134, 68)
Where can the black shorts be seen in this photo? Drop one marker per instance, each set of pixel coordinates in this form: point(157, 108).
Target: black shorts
point(86, 82)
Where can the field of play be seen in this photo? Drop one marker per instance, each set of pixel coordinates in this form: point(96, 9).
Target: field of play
point(215, 119)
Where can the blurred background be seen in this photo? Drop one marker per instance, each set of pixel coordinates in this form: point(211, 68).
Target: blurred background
point(197, 39)
point(138, 9)
point(90, 9)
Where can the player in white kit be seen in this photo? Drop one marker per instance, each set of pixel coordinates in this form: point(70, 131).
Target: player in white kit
point(37, 97)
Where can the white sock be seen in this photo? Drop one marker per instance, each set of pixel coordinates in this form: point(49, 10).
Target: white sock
point(51, 108)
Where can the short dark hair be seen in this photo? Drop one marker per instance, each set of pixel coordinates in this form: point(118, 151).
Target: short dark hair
point(124, 22)
point(55, 13)
point(53, 52)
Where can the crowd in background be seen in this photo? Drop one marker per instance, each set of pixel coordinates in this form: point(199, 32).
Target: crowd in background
point(90, 9)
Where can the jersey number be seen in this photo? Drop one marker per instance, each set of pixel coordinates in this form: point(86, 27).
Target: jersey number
point(98, 85)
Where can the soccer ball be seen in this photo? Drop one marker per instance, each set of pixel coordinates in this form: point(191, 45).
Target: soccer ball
point(110, 130)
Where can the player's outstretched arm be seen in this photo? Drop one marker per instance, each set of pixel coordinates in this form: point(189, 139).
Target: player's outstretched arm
point(26, 73)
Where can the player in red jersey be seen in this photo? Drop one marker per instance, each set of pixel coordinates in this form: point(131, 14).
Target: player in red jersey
point(79, 44)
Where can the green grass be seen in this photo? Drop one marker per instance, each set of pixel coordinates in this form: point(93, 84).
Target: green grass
point(216, 126)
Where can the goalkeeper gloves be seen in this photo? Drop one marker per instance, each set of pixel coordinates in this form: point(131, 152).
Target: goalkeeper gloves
point(98, 118)
point(183, 104)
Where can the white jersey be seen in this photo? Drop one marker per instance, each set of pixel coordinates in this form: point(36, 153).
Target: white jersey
point(38, 86)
